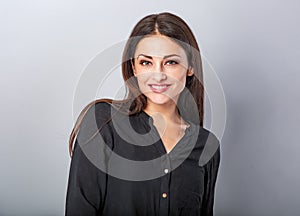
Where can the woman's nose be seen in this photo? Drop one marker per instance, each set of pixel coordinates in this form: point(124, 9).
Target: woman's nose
point(159, 74)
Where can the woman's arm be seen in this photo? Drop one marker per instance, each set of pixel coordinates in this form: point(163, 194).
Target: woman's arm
point(85, 186)
point(87, 183)
point(211, 172)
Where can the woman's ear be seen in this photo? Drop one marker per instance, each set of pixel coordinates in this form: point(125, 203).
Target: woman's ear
point(132, 66)
point(190, 71)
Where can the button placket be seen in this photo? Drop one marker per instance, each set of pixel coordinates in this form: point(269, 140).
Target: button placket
point(165, 186)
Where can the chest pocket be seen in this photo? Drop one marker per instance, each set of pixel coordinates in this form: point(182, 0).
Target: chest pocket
point(190, 204)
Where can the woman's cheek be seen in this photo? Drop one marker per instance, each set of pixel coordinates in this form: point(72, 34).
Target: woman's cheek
point(142, 83)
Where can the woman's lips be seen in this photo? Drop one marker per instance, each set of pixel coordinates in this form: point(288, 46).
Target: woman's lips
point(159, 88)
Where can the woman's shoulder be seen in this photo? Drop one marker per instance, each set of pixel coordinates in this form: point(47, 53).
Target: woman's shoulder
point(204, 132)
point(210, 144)
point(99, 109)
point(96, 112)
point(103, 106)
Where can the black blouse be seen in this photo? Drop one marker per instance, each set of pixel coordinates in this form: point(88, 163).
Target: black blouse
point(120, 167)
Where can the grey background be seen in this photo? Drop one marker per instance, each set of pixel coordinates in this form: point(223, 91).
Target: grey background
point(252, 45)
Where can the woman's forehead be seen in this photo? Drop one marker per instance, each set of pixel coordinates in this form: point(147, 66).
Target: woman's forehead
point(158, 46)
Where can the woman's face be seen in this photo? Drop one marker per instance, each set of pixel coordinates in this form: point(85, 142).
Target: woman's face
point(161, 67)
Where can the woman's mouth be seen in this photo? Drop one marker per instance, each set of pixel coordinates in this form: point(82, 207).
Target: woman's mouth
point(159, 88)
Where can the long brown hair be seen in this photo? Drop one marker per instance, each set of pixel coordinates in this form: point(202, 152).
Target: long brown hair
point(174, 27)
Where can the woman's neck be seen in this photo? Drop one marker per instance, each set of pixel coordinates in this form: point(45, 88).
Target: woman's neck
point(168, 111)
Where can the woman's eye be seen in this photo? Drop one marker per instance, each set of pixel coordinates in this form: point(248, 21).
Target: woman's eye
point(145, 63)
point(171, 62)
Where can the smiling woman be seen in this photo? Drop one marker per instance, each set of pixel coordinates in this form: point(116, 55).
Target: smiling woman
point(140, 155)
point(160, 65)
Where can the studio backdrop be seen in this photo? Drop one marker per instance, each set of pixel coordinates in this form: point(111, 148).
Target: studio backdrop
point(252, 47)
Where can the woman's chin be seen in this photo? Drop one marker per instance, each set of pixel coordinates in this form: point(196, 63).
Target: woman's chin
point(160, 99)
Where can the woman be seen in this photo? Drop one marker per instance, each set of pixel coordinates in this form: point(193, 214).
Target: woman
point(146, 154)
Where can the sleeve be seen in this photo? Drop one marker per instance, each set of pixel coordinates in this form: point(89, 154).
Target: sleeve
point(211, 172)
point(85, 185)
point(86, 188)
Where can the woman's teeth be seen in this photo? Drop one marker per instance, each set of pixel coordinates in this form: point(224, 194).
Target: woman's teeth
point(159, 86)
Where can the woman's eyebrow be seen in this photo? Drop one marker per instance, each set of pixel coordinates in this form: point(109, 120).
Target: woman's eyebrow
point(150, 57)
